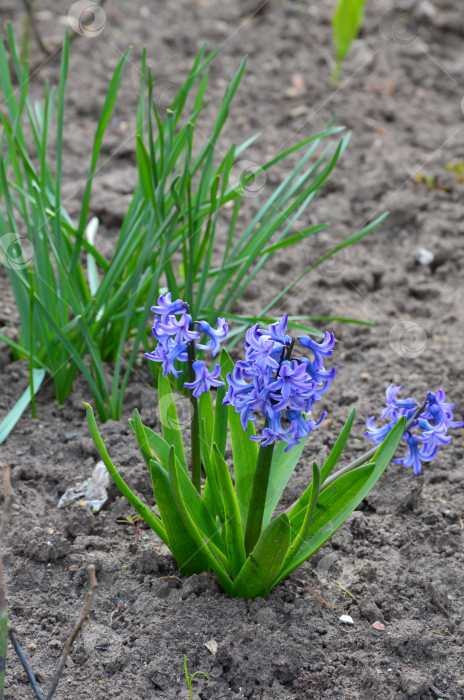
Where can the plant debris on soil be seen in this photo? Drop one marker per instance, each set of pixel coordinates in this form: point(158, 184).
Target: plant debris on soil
point(395, 568)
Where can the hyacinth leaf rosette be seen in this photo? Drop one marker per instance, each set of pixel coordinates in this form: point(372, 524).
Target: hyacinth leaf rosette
point(218, 514)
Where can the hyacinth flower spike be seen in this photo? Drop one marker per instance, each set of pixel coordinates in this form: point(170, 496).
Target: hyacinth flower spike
point(284, 389)
point(427, 425)
point(176, 335)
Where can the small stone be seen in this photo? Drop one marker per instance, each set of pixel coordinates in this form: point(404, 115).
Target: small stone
point(424, 256)
point(378, 626)
point(32, 646)
point(73, 567)
point(346, 619)
point(212, 646)
point(365, 376)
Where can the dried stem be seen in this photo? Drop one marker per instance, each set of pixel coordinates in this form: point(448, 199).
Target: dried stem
point(88, 603)
point(32, 19)
point(6, 513)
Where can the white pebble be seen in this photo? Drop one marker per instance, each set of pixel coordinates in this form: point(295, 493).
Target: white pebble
point(346, 619)
point(424, 257)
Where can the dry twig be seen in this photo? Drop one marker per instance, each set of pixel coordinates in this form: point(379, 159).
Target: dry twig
point(88, 603)
point(434, 598)
point(7, 504)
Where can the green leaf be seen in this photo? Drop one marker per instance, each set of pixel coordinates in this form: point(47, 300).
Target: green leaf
point(232, 522)
point(90, 233)
point(169, 418)
point(263, 564)
point(340, 499)
point(211, 493)
point(220, 420)
point(150, 518)
point(185, 551)
point(10, 420)
point(244, 450)
point(217, 561)
point(301, 536)
point(142, 440)
point(162, 451)
point(337, 449)
point(351, 240)
point(333, 507)
point(205, 406)
point(328, 465)
point(346, 24)
point(282, 467)
point(296, 238)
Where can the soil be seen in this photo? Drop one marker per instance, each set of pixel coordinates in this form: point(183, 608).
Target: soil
point(398, 560)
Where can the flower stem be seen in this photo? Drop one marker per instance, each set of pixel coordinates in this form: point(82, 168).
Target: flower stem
point(258, 497)
point(195, 426)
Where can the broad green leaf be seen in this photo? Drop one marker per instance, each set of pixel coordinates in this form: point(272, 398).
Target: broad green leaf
point(337, 449)
point(211, 494)
point(263, 564)
point(333, 507)
point(301, 536)
point(232, 523)
point(185, 551)
point(340, 499)
point(142, 440)
point(220, 420)
point(196, 507)
point(162, 451)
point(244, 450)
point(282, 467)
point(169, 418)
point(205, 405)
point(329, 464)
point(217, 560)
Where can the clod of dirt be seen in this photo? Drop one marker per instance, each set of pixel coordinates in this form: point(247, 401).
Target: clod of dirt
point(156, 671)
point(150, 561)
point(80, 520)
point(413, 682)
point(44, 544)
point(369, 610)
point(105, 645)
point(195, 585)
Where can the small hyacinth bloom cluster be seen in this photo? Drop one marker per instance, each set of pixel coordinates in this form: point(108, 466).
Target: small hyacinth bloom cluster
point(280, 387)
point(174, 329)
point(426, 434)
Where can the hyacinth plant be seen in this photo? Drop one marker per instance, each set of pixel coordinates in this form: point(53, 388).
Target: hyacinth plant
point(225, 521)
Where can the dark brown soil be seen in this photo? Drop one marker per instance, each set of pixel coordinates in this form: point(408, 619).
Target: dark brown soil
point(401, 555)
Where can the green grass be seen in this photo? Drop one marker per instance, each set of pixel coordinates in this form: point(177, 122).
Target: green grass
point(80, 310)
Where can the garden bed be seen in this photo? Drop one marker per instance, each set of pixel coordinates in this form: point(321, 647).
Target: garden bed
point(398, 560)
